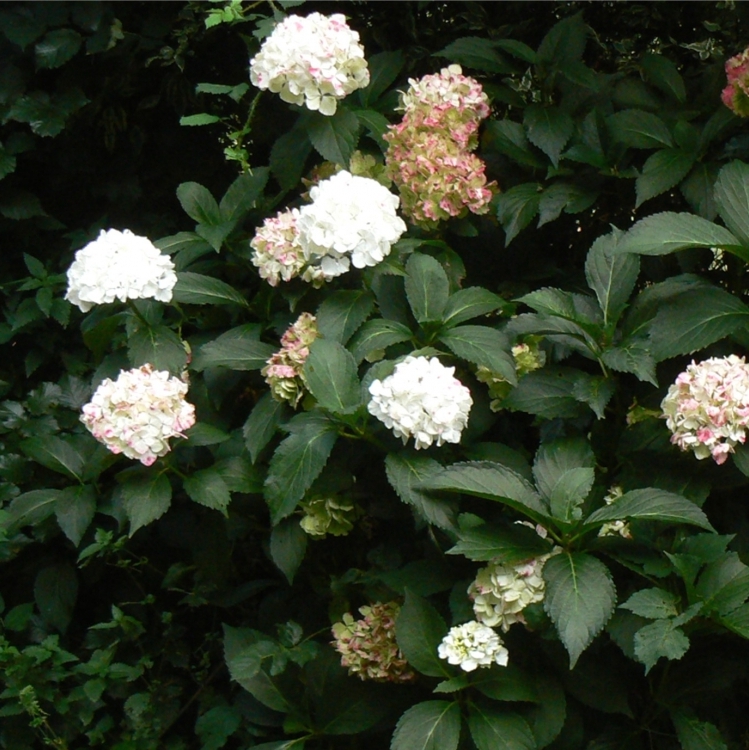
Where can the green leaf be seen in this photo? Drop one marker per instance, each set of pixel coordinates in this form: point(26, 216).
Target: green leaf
point(55, 594)
point(383, 70)
point(663, 170)
point(235, 92)
point(694, 321)
point(569, 493)
point(516, 49)
point(74, 510)
point(21, 26)
point(342, 313)
point(215, 235)
point(47, 115)
point(198, 203)
point(549, 128)
point(216, 725)
point(475, 52)
point(335, 137)
point(494, 729)
point(55, 453)
point(376, 335)
point(660, 638)
point(206, 434)
point(242, 194)
point(261, 425)
point(667, 232)
point(470, 303)
point(432, 725)
point(724, 584)
point(202, 118)
point(563, 196)
point(651, 504)
point(509, 138)
point(57, 48)
point(738, 620)
point(516, 208)
point(288, 543)
point(427, 287)
point(664, 75)
point(564, 42)
point(694, 734)
point(288, 158)
point(632, 356)
point(208, 488)
point(453, 685)
point(330, 373)
point(419, 630)
point(655, 604)
point(639, 129)
point(509, 683)
point(494, 482)
point(375, 124)
point(146, 497)
point(556, 458)
point(509, 546)
point(697, 189)
point(548, 393)
point(612, 276)
point(240, 475)
point(731, 194)
point(196, 289)
point(159, 346)
point(31, 508)
point(297, 462)
point(408, 475)
point(580, 598)
point(238, 349)
point(483, 346)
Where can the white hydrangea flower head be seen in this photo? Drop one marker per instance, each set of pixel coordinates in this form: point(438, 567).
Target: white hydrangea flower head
point(500, 592)
point(707, 408)
point(119, 265)
point(422, 399)
point(314, 60)
point(277, 252)
point(138, 413)
point(351, 220)
point(472, 645)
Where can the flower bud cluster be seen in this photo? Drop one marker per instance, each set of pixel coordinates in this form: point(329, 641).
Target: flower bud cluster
point(422, 399)
point(334, 515)
point(368, 646)
point(119, 265)
point(736, 94)
point(351, 220)
point(138, 413)
point(528, 357)
point(314, 60)
point(473, 645)
point(284, 371)
point(707, 408)
point(500, 592)
point(615, 528)
point(429, 155)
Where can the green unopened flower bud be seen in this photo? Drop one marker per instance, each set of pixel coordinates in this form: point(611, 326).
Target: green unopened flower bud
point(329, 515)
point(365, 165)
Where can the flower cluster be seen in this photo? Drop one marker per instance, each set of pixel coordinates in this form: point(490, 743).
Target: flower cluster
point(314, 60)
point(707, 408)
point(278, 254)
point(736, 94)
point(284, 371)
point(334, 515)
point(368, 647)
point(119, 265)
point(422, 399)
point(615, 528)
point(528, 357)
point(473, 645)
point(138, 413)
point(351, 220)
point(500, 593)
point(429, 155)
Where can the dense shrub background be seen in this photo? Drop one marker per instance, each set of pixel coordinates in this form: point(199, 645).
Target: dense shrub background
point(181, 606)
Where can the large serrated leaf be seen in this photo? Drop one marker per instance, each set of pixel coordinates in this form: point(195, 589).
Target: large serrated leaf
point(580, 598)
point(261, 425)
point(549, 128)
point(145, 499)
point(55, 593)
point(475, 52)
point(342, 313)
point(55, 453)
point(238, 349)
point(548, 393)
point(659, 638)
point(427, 287)
point(731, 194)
point(75, 510)
point(639, 129)
point(383, 70)
point(470, 303)
point(432, 725)
point(330, 373)
point(493, 728)
point(376, 335)
point(288, 543)
point(297, 462)
point(651, 504)
point(663, 170)
point(408, 475)
point(208, 488)
point(158, 346)
point(516, 208)
point(509, 546)
point(198, 203)
point(694, 734)
point(197, 289)
point(334, 137)
point(483, 346)
point(419, 629)
point(242, 194)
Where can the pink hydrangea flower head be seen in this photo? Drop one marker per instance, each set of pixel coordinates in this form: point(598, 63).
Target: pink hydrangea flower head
point(314, 61)
point(368, 646)
point(277, 252)
point(736, 94)
point(707, 407)
point(139, 412)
